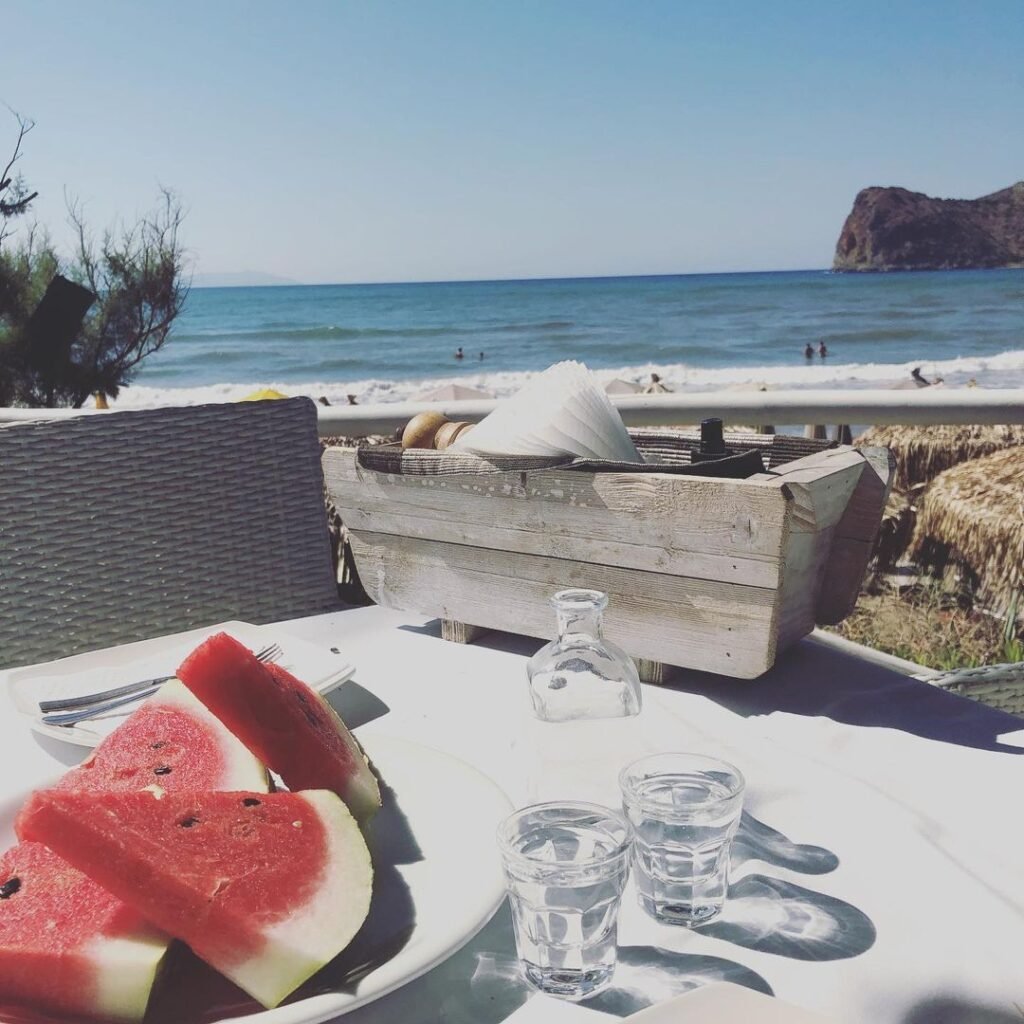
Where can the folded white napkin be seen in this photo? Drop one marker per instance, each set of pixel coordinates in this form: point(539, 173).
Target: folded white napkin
point(561, 411)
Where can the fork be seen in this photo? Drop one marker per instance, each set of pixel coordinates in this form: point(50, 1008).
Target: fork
point(78, 709)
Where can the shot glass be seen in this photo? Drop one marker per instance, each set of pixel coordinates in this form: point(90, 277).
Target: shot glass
point(684, 809)
point(566, 865)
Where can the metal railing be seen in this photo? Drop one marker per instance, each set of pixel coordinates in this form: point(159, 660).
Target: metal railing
point(756, 408)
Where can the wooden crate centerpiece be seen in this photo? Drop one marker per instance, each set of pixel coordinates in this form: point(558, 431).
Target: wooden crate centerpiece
point(701, 572)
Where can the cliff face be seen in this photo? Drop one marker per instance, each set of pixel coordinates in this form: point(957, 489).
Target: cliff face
point(893, 229)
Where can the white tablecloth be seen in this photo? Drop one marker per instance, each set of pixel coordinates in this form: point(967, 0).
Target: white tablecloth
point(877, 877)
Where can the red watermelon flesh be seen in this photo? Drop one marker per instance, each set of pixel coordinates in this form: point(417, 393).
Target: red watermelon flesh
point(285, 723)
point(266, 888)
point(173, 742)
point(67, 945)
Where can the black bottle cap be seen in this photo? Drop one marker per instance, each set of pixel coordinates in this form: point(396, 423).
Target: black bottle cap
point(711, 442)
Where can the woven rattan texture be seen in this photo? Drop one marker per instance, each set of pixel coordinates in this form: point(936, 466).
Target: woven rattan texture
point(999, 686)
point(667, 448)
point(128, 525)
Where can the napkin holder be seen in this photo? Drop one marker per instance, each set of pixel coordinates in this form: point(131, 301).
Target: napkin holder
point(701, 572)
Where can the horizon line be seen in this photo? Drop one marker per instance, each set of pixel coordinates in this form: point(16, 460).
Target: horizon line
point(503, 280)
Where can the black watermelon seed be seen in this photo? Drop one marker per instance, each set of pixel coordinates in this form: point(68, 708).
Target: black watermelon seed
point(301, 696)
point(188, 822)
point(164, 769)
point(251, 801)
point(158, 744)
point(9, 888)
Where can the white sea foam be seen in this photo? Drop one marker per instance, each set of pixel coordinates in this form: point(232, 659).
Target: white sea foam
point(1003, 370)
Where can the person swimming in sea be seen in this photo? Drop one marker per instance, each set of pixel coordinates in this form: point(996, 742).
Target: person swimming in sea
point(458, 353)
point(808, 351)
point(822, 349)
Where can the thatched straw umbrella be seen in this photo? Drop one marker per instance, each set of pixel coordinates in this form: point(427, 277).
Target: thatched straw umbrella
point(924, 452)
point(973, 514)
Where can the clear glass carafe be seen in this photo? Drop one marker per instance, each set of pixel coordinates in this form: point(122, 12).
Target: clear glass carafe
point(580, 674)
point(586, 721)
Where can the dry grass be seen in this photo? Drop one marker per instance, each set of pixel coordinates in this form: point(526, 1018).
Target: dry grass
point(931, 626)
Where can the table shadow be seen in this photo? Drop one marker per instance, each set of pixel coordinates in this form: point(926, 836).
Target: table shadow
point(647, 975)
point(814, 679)
point(355, 704)
point(757, 841)
point(770, 915)
point(493, 639)
point(820, 681)
point(956, 1010)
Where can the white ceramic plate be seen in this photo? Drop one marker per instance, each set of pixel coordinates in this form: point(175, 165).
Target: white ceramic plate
point(437, 878)
point(320, 667)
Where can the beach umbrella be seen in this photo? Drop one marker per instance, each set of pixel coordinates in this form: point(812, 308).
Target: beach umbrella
point(453, 393)
point(972, 514)
point(262, 395)
point(922, 452)
point(618, 386)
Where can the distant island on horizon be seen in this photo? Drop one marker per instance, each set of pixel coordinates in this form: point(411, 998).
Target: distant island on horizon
point(895, 229)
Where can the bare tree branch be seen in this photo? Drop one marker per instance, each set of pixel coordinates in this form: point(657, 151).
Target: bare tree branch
point(19, 197)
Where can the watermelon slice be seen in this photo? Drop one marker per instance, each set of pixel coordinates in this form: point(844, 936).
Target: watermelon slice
point(266, 888)
point(289, 726)
point(171, 742)
point(68, 946)
point(98, 958)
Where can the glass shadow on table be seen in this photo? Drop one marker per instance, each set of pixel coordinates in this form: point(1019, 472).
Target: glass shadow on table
point(771, 915)
point(483, 984)
point(756, 840)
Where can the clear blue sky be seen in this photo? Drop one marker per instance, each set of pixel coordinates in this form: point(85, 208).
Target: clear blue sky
point(424, 140)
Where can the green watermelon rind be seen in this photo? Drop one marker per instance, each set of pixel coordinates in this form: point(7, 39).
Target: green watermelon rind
point(292, 955)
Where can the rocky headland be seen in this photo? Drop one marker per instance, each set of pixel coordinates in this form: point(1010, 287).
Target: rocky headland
point(895, 229)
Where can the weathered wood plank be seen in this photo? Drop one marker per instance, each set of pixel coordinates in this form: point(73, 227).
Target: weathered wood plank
point(721, 627)
point(708, 529)
point(656, 672)
point(705, 573)
point(855, 536)
point(820, 486)
point(461, 632)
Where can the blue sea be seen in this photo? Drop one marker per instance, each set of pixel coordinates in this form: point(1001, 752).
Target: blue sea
point(387, 342)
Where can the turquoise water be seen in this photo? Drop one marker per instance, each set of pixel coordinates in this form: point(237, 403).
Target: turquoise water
point(393, 341)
